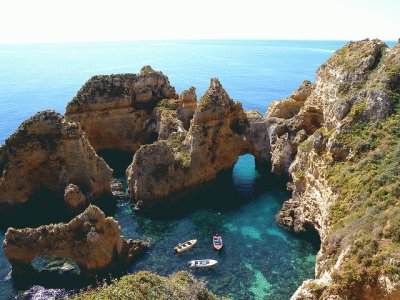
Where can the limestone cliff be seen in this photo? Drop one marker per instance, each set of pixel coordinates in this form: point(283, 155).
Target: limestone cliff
point(346, 174)
point(117, 111)
point(290, 121)
point(91, 239)
point(49, 152)
point(219, 132)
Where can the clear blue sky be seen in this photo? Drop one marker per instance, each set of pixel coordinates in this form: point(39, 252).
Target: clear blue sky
point(27, 21)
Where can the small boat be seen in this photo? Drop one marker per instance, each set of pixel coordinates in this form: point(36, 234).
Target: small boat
point(181, 247)
point(202, 263)
point(217, 242)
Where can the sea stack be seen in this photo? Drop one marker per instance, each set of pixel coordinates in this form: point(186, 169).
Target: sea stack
point(219, 132)
point(49, 152)
point(116, 111)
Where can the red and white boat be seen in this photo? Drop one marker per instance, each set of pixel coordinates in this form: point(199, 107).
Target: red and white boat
point(217, 242)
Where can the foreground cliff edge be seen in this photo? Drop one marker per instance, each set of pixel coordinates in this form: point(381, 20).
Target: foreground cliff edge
point(146, 285)
point(338, 138)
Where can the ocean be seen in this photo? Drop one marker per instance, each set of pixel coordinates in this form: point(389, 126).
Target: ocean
point(260, 260)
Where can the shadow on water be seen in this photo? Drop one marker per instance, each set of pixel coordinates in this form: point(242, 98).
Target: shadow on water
point(117, 160)
point(220, 195)
point(259, 260)
point(310, 235)
point(44, 207)
point(240, 204)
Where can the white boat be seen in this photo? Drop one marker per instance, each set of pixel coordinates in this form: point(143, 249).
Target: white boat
point(202, 263)
point(185, 246)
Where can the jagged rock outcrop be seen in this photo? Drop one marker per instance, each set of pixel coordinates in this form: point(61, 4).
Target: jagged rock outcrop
point(340, 84)
point(256, 138)
point(117, 111)
point(73, 197)
point(91, 239)
point(49, 152)
point(219, 132)
point(290, 121)
point(186, 110)
point(340, 181)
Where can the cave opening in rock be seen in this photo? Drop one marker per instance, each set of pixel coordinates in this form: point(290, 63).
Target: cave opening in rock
point(311, 235)
point(240, 204)
point(231, 189)
point(117, 160)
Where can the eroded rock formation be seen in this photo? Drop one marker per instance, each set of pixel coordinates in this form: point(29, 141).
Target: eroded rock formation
point(48, 152)
point(290, 121)
point(73, 197)
point(91, 239)
point(117, 111)
point(219, 132)
point(337, 138)
point(335, 188)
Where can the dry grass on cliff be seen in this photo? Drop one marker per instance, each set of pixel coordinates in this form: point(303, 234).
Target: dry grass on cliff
point(149, 286)
point(366, 215)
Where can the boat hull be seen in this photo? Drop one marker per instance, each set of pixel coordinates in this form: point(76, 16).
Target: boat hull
point(202, 263)
point(185, 246)
point(217, 242)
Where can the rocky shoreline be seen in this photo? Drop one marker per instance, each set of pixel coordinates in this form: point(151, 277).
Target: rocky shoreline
point(325, 135)
point(91, 240)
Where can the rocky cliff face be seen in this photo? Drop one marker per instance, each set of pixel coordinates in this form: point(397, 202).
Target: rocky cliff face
point(337, 138)
point(219, 132)
point(290, 121)
point(90, 239)
point(346, 173)
point(117, 111)
point(49, 152)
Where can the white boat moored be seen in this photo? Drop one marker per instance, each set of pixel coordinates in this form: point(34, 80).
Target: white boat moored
point(202, 263)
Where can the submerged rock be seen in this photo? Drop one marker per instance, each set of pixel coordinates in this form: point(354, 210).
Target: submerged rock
point(48, 152)
point(118, 189)
point(38, 292)
point(91, 239)
point(53, 265)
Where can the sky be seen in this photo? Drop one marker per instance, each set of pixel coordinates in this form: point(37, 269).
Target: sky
point(53, 21)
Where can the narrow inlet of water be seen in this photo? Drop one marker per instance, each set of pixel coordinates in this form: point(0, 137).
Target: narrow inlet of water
point(259, 259)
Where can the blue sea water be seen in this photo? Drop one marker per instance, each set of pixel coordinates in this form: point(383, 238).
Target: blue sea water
point(260, 260)
point(37, 77)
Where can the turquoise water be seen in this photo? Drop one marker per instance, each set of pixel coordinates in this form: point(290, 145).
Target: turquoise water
point(259, 260)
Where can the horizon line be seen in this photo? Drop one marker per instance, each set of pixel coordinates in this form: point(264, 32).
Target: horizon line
point(186, 40)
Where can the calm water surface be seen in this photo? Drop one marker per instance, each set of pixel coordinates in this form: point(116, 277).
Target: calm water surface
point(259, 260)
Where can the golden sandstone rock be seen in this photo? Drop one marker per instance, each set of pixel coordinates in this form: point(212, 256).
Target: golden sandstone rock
point(49, 152)
point(327, 135)
point(219, 132)
point(91, 239)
